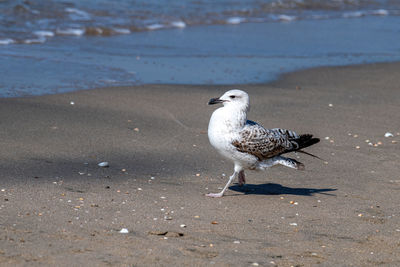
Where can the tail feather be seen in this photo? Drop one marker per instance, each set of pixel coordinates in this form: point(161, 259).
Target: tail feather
point(303, 141)
point(306, 140)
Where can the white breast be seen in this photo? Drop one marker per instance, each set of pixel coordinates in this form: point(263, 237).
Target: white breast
point(223, 129)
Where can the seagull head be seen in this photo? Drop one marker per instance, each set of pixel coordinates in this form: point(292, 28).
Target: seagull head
point(233, 98)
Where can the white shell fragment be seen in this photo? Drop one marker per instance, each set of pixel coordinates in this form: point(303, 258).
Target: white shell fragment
point(124, 231)
point(103, 164)
point(388, 134)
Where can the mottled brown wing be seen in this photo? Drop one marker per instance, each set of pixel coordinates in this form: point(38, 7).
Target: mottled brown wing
point(264, 143)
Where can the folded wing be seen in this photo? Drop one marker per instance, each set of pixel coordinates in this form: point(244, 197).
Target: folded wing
point(267, 143)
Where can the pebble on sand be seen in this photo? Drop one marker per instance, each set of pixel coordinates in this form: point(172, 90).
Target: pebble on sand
point(388, 134)
point(124, 231)
point(103, 164)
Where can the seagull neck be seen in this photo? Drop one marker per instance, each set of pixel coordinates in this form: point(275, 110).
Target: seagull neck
point(236, 117)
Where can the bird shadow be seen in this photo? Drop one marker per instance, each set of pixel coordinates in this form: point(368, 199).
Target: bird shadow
point(277, 189)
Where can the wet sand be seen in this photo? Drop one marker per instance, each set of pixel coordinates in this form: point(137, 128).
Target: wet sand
point(59, 208)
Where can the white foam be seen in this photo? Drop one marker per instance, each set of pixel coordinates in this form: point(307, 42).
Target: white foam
point(43, 33)
point(178, 24)
point(355, 14)
point(235, 20)
point(39, 40)
point(122, 31)
point(76, 32)
point(319, 16)
point(380, 12)
point(77, 14)
point(285, 18)
point(6, 41)
point(155, 26)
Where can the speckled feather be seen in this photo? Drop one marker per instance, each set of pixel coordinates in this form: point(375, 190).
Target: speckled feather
point(265, 143)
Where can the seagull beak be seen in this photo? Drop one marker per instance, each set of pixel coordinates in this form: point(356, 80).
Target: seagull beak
point(215, 101)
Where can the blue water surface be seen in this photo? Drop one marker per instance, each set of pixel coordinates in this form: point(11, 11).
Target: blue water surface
point(215, 54)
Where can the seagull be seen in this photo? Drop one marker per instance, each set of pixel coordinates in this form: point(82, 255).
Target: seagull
point(248, 144)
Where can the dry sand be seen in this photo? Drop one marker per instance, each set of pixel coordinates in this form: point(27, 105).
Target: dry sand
point(59, 208)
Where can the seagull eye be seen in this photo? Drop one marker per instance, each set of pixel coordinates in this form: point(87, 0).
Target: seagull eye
point(232, 96)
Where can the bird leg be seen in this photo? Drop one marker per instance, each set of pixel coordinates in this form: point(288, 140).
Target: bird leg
point(220, 194)
point(242, 178)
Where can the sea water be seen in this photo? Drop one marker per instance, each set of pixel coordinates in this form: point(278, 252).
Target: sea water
point(57, 46)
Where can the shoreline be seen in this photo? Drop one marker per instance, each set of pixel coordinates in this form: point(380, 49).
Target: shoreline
point(60, 208)
point(219, 54)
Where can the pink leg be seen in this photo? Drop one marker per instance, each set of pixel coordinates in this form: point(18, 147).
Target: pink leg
point(242, 178)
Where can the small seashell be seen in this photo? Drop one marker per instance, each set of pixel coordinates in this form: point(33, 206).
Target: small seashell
point(293, 224)
point(236, 242)
point(103, 164)
point(357, 147)
point(327, 138)
point(330, 105)
point(388, 134)
point(214, 222)
point(72, 103)
point(183, 225)
point(124, 231)
point(379, 143)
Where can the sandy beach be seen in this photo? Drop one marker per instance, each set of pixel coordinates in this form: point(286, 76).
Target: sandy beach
point(59, 208)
